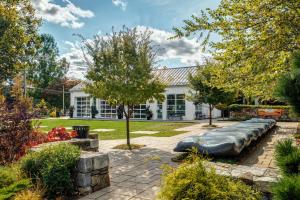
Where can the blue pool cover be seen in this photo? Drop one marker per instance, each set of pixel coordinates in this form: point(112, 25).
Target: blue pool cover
point(229, 140)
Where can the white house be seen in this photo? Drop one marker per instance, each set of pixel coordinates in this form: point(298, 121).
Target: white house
point(175, 106)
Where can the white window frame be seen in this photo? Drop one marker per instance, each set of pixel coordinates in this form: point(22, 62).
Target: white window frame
point(83, 109)
point(107, 111)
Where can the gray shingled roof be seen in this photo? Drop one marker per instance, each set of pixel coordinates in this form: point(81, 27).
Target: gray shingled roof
point(170, 76)
point(175, 76)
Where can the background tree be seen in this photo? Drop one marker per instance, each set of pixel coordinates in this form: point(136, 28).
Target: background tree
point(205, 92)
point(257, 38)
point(121, 70)
point(48, 69)
point(18, 37)
point(288, 87)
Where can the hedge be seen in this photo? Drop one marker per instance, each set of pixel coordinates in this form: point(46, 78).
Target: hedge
point(238, 107)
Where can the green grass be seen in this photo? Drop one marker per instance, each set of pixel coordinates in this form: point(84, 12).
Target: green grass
point(166, 129)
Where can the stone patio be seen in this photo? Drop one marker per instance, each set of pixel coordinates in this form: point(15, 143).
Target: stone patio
point(136, 175)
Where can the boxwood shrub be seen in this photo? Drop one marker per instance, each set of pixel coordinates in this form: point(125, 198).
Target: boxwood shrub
point(191, 180)
point(53, 166)
point(239, 107)
point(288, 157)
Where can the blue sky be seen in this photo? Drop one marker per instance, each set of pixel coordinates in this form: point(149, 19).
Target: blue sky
point(63, 18)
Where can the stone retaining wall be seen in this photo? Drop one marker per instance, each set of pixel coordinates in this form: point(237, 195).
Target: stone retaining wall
point(261, 178)
point(92, 172)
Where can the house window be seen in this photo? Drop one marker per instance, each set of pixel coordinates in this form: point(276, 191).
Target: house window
point(175, 106)
point(83, 106)
point(139, 112)
point(106, 110)
point(159, 110)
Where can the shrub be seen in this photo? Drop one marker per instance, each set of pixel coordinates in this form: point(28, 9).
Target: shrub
point(239, 107)
point(59, 134)
point(287, 188)
point(288, 157)
point(53, 167)
point(191, 180)
point(29, 195)
point(15, 125)
point(7, 176)
point(9, 191)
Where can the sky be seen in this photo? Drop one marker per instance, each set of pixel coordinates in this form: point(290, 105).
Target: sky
point(64, 18)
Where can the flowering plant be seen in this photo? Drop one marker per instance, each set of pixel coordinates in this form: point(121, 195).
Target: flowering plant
point(59, 134)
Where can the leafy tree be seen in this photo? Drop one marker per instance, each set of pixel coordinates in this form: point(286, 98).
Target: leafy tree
point(288, 87)
point(18, 36)
point(47, 69)
point(121, 70)
point(257, 38)
point(205, 92)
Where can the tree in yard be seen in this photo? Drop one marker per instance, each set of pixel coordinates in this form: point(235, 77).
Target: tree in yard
point(121, 70)
point(18, 37)
point(257, 39)
point(288, 87)
point(205, 92)
point(47, 69)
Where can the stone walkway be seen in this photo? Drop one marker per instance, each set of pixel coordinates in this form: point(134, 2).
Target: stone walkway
point(136, 175)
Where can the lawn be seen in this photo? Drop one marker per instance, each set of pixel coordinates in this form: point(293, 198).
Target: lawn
point(166, 129)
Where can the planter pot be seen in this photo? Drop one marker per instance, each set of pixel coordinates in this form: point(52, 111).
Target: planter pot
point(82, 131)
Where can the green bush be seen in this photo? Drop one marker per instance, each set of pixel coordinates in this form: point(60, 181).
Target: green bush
point(53, 166)
point(7, 176)
point(12, 189)
point(191, 180)
point(11, 183)
point(287, 188)
point(239, 107)
point(288, 157)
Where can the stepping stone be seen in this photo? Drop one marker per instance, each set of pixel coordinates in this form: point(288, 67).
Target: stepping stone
point(145, 132)
point(102, 130)
point(43, 126)
point(69, 128)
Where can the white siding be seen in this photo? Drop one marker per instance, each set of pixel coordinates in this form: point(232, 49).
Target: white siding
point(189, 106)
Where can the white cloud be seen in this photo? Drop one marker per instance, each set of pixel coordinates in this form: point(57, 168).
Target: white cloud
point(120, 3)
point(183, 51)
point(187, 51)
point(68, 15)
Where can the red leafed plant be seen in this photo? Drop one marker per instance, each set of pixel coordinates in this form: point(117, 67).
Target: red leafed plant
point(59, 134)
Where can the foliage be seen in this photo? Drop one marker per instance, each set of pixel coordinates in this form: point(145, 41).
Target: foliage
point(71, 111)
point(149, 113)
point(18, 36)
point(120, 111)
point(94, 111)
point(53, 166)
point(47, 69)
point(29, 195)
point(287, 188)
point(43, 107)
point(288, 87)
point(121, 70)
point(207, 93)
point(193, 180)
point(257, 39)
point(11, 190)
point(288, 157)
point(16, 130)
point(239, 107)
point(60, 134)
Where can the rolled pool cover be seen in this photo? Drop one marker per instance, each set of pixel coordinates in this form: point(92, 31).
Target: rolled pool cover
point(227, 141)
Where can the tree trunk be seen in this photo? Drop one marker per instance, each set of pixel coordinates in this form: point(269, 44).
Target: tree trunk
point(210, 115)
point(127, 128)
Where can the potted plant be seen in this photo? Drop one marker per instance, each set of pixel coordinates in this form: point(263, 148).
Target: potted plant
point(71, 111)
point(120, 111)
point(94, 111)
point(149, 113)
